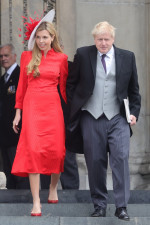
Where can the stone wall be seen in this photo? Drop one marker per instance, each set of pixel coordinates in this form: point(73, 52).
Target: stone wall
point(74, 21)
point(11, 19)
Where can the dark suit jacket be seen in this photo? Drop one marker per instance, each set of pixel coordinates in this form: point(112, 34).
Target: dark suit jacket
point(65, 107)
point(7, 95)
point(81, 81)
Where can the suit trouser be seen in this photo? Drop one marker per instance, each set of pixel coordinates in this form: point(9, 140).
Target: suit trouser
point(69, 178)
point(13, 182)
point(102, 137)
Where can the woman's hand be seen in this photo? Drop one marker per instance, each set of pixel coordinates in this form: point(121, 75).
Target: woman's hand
point(17, 120)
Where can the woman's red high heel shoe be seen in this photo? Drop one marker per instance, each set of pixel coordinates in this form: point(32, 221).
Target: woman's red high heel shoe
point(36, 214)
point(52, 201)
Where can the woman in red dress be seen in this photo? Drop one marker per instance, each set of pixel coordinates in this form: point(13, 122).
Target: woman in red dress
point(41, 147)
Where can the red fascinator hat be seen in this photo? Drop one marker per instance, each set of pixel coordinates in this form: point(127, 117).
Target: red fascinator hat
point(32, 27)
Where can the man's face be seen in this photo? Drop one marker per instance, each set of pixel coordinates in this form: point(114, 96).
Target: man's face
point(103, 42)
point(7, 58)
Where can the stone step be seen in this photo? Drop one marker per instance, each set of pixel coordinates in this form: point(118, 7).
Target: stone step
point(48, 220)
point(69, 196)
point(74, 208)
point(70, 209)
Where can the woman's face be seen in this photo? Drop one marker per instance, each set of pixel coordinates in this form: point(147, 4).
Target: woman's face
point(43, 40)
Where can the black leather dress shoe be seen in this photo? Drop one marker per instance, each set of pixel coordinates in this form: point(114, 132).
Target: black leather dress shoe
point(99, 212)
point(122, 214)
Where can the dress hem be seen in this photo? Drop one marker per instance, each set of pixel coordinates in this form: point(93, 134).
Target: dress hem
point(26, 174)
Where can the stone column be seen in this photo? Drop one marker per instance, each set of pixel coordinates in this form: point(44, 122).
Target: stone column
point(66, 25)
point(140, 142)
point(11, 20)
point(140, 159)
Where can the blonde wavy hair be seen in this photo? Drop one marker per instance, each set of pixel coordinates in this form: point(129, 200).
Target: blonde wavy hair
point(36, 52)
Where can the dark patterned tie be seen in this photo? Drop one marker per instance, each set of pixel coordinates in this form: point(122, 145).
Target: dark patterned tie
point(103, 62)
point(6, 77)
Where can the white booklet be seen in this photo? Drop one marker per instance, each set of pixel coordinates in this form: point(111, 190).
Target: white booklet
point(127, 110)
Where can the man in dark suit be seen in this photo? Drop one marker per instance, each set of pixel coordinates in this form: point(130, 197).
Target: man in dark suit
point(8, 138)
point(103, 76)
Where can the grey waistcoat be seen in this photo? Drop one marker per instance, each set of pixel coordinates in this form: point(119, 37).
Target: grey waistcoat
point(104, 97)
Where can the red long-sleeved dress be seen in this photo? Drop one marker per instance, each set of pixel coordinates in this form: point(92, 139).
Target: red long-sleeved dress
point(41, 146)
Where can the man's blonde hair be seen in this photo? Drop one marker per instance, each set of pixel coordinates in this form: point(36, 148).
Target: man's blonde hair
point(103, 27)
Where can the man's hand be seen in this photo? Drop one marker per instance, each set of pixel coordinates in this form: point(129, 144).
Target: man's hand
point(133, 120)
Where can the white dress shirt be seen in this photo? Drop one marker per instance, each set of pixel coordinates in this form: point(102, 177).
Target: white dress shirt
point(10, 70)
point(108, 58)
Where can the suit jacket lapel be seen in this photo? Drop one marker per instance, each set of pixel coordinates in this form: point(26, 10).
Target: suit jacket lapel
point(93, 59)
point(118, 59)
point(12, 76)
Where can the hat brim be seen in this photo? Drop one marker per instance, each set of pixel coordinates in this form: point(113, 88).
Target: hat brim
point(47, 18)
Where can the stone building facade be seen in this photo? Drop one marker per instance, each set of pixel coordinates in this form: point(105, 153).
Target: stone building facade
point(74, 21)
